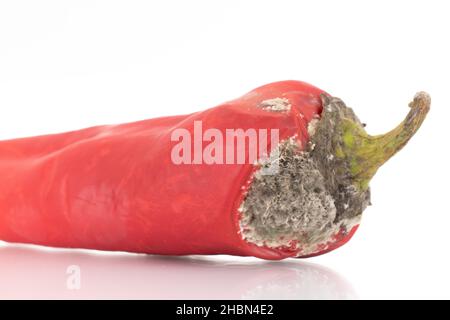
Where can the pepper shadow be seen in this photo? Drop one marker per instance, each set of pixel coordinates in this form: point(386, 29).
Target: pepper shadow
point(29, 272)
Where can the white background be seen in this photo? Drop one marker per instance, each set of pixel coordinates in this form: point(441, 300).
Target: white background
point(70, 64)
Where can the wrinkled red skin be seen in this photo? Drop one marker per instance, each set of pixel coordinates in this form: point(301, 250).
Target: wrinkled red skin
point(116, 188)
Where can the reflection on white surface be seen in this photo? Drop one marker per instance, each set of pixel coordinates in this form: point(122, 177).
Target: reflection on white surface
point(33, 273)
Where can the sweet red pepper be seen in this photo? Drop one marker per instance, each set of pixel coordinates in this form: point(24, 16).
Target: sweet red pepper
point(136, 187)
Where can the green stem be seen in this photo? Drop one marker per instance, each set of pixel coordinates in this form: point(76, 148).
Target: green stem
point(367, 153)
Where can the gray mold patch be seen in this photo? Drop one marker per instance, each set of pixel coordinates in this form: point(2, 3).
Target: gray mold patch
point(293, 204)
point(311, 197)
point(276, 105)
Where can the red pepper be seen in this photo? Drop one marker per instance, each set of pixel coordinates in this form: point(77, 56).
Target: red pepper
point(118, 187)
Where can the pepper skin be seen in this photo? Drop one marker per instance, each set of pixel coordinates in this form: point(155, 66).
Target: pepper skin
point(116, 188)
